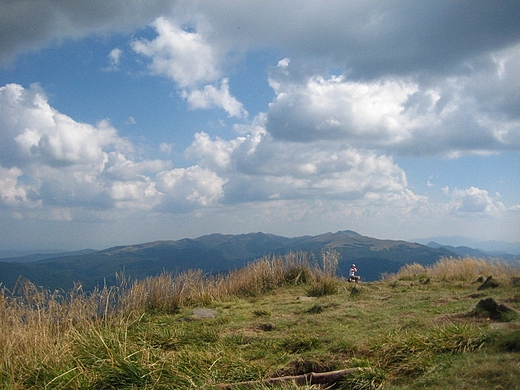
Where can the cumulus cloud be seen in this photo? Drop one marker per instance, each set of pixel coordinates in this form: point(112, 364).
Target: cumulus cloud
point(190, 61)
point(335, 108)
point(259, 168)
point(188, 188)
point(12, 192)
point(51, 163)
point(33, 132)
point(183, 56)
point(474, 201)
point(210, 97)
point(398, 115)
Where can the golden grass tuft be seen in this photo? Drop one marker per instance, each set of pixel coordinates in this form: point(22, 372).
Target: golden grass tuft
point(451, 269)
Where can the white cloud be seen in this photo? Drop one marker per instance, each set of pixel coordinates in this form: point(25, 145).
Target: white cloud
point(284, 63)
point(34, 132)
point(190, 61)
point(215, 154)
point(475, 201)
point(395, 115)
point(379, 80)
point(135, 193)
point(53, 167)
point(183, 56)
point(114, 57)
point(212, 97)
point(188, 188)
point(259, 168)
point(12, 191)
point(335, 108)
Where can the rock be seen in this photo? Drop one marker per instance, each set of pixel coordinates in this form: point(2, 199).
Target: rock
point(488, 283)
point(204, 313)
point(490, 308)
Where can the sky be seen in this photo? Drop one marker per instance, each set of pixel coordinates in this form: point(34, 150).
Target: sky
point(124, 122)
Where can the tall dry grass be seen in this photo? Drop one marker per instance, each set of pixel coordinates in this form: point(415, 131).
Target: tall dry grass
point(168, 292)
point(41, 330)
point(267, 274)
point(451, 269)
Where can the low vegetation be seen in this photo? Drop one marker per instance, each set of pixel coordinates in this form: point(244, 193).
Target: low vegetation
point(423, 327)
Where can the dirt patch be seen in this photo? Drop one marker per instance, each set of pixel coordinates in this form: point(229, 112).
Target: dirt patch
point(515, 299)
point(445, 300)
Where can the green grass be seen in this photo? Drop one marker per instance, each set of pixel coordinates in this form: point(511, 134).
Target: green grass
point(277, 317)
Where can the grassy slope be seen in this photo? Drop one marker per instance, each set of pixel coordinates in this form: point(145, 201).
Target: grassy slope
point(409, 331)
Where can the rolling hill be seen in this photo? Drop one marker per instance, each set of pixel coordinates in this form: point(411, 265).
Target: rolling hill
point(215, 253)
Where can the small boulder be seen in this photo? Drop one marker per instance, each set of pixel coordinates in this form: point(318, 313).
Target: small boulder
point(491, 309)
point(488, 283)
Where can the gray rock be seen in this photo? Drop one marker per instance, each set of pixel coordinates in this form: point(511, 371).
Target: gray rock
point(204, 313)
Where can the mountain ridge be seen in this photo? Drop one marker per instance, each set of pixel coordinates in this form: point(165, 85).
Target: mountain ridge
point(217, 253)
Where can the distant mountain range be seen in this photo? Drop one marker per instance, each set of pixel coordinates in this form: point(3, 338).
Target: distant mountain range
point(217, 253)
point(477, 253)
point(489, 247)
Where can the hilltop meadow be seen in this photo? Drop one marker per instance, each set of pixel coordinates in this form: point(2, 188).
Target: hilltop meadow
point(281, 322)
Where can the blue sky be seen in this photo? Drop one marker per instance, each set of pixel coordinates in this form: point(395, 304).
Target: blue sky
point(127, 122)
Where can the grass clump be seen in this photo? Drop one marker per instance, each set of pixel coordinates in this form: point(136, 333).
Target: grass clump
point(325, 282)
point(297, 343)
point(412, 352)
point(451, 269)
point(323, 286)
